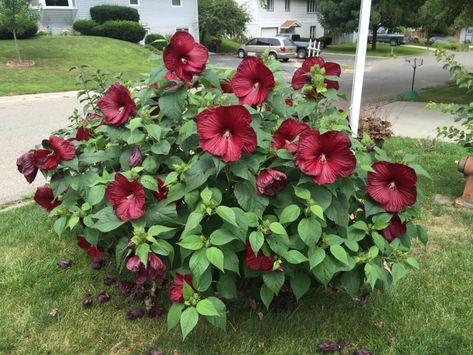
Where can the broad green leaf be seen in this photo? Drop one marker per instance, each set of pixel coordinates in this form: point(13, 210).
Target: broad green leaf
point(295, 257)
point(339, 253)
point(198, 263)
point(142, 251)
point(274, 280)
point(215, 257)
point(219, 321)
point(317, 211)
point(154, 131)
point(266, 295)
point(289, 214)
point(422, 235)
point(398, 272)
point(189, 319)
point(412, 262)
point(309, 230)
point(221, 237)
point(227, 214)
point(106, 220)
point(300, 284)
point(172, 103)
point(193, 221)
point(157, 230)
point(174, 314)
point(191, 242)
point(277, 228)
point(206, 308)
point(381, 221)
point(59, 225)
point(73, 222)
point(302, 193)
point(206, 195)
point(248, 199)
point(256, 241)
point(161, 148)
point(316, 256)
point(96, 194)
point(226, 286)
point(149, 182)
point(371, 274)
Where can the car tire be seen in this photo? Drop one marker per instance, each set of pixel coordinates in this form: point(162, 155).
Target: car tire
point(241, 53)
point(393, 42)
point(285, 60)
point(301, 53)
point(273, 56)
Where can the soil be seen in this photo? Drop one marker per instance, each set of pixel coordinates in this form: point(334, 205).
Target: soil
point(22, 64)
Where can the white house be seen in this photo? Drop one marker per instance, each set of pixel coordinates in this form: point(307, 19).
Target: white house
point(158, 16)
point(270, 17)
point(465, 35)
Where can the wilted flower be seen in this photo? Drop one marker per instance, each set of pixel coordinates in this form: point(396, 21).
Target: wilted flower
point(225, 132)
point(392, 185)
point(270, 181)
point(324, 157)
point(176, 288)
point(25, 165)
point(258, 261)
point(287, 133)
point(183, 57)
point(103, 297)
point(361, 352)
point(155, 268)
point(395, 229)
point(331, 346)
point(64, 264)
point(252, 81)
point(126, 287)
point(107, 280)
point(154, 352)
point(133, 314)
point(44, 197)
point(96, 264)
point(139, 295)
point(87, 302)
point(126, 197)
point(135, 158)
point(117, 105)
point(154, 312)
point(162, 191)
point(95, 253)
point(56, 149)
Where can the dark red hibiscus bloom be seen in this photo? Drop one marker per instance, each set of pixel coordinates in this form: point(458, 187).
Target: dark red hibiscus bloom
point(324, 157)
point(117, 105)
point(225, 132)
point(176, 288)
point(44, 197)
point(95, 253)
point(226, 86)
point(303, 76)
point(83, 133)
point(287, 132)
point(162, 192)
point(155, 269)
point(126, 197)
point(289, 102)
point(56, 149)
point(185, 58)
point(270, 181)
point(392, 185)
point(258, 261)
point(25, 165)
point(252, 81)
point(395, 229)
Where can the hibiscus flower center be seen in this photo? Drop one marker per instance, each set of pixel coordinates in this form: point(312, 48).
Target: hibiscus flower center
point(184, 60)
point(256, 85)
point(121, 109)
point(392, 185)
point(130, 197)
point(227, 134)
point(323, 158)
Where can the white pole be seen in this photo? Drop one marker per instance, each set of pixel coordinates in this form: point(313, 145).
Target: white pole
point(360, 57)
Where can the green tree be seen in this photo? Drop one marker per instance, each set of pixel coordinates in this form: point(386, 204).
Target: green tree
point(221, 18)
point(15, 16)
point(445, 16)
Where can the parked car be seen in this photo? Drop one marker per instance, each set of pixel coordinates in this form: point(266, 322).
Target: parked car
point(438, 39)
point(302, 45)
point(384, 35)
point(278, 47)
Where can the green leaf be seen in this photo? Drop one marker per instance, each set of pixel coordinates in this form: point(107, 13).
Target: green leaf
point(157, 230)
point(189, 319)
point(206, 308)
point(191, 242)
point(198, 263)
point(325, 270)
point(226, 286)
point(317, 211)
point(227, 214)
point(161, 148)
point(339, 253)
point(248, 199)
point(221, 237)
point(274, 280)
point(316, 256)
point(174, 314)
point(135, 123)
point(412, 262)
point(289, 214)
point(215, 257)
point(73, 222)
point(277, 228)
point(162, 247)
point(219, 321)
point(172, 103)
point(193, 221)
point(398, 272)
point(309, 230)
point(422, 235)
point(206, 195)
point(381, 221)
point(149, 182)
point(302, 193)
point(256, 241)
point(96, 194)
point(295, 257)
point(59, 225)
point(266, 295)
point(142, 251)
point(371, 275)
point(106, 220)
point(300, 284)
point(154, 131)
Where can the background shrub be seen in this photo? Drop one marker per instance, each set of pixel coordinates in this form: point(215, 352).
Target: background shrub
point(30, 31)
point(156, 40)
point(104, 13)
point(85, 27)
point(125, 30)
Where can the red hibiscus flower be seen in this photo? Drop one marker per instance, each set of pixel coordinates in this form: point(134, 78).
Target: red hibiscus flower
point(259, 261)
point(225, 132)
point(395, 229)
point(117, 105)
point(287, 132)
point(303, 76)
point(226, 86)
point(289, 102)
point(25, 165)
point(56, 149)
point(183, 57)
point(162, 192)
point(392, 185)
point(270, 181)
point(126, 197)
point(44, 197)
point(324, 157)
point(252, 81)
point(95, 253)
point(175, 290)
point(155, 269)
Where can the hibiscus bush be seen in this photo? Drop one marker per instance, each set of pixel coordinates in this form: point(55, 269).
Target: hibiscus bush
point(210, 185)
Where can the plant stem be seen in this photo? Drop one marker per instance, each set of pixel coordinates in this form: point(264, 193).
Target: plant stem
point(16, 47)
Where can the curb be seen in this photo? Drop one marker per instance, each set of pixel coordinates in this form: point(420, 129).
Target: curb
point(39, 96)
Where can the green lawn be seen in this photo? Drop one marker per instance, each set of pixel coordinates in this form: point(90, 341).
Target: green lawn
point(428, 312)
point(55, 55)
point(383, 50)
point(446, 94)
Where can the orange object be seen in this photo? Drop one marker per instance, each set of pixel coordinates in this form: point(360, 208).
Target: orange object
point(465, 165)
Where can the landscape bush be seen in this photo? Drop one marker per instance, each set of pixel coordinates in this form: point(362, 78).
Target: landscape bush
point(156, 40)
point(104, 13)
point(125, 30)
point(30, 31)
point(215, 187)
point(85, 27)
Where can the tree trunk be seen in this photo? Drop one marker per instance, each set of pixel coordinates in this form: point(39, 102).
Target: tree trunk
point(374, 30)
point(18, 57)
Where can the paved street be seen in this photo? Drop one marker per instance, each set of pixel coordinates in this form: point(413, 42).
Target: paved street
point(26, 120)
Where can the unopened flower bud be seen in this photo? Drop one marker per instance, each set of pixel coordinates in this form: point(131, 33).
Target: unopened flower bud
point(135, 158)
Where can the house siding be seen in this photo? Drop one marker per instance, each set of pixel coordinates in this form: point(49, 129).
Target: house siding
point(263, 19)
point(158, 16)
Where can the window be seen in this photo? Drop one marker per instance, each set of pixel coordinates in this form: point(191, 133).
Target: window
point(134, 2)
point(262, 42)
point(267, 5)
point(252, 42)
point(176, 3)
point(287, 5)
point(288, 43)
point(274, 42)
point(183, 29)
point(311, 6)
point(62, 3)
point(313, 32)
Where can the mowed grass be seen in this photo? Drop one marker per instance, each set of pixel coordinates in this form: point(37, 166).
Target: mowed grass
point(382, 50)
point(55, 55)
point(446, 94)
point(428, 312)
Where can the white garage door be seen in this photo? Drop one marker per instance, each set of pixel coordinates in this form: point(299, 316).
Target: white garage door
point(269, 31)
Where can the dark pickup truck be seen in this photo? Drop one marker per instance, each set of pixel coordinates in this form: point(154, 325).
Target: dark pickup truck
point(303, 45)
point(386, 36)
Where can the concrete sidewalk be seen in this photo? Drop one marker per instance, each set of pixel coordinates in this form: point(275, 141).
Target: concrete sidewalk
point(28, 119)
